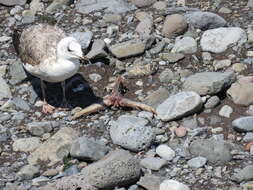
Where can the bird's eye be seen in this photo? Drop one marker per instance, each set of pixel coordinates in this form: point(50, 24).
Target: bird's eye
point(69, 50)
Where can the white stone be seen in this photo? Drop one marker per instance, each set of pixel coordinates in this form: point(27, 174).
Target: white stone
point(226, 111)
point(185, 45)
point(165, 152)
point(173, 185)
point(219, 39)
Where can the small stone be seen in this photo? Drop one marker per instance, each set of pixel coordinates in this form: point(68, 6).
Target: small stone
point(50, 172)
point(21, 104)
point(28, 172)
point(221, 64)
point(180, 131)
point(5, 39)
point(84, 38)
point(160, 5)
point(186, 45)
point(243, 124)
point(225, 10)
point(197, 162)
point(226, 111)
point(97, 50)
point(168, 75)
point(12, 2)
point(248, 137)
point(42, 127)
point(165, 152)
point(143, 3)
point(153, 163)
point(56, 4)
point(172, 57)
point(212, 102)
point(112, 18)
point(26, 144)
point(5, 91)
point(150, 182)
point(145, 27)
point(173, 185)
point(28, 16)
point(95, 77)
point(239, 67)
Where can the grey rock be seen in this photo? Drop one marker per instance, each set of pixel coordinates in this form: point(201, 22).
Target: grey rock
point(150, 182)
point(205, 20)
point(209, 82)
point(72, 170)
point(28, 17)
point(20, 104)
point(168, 75)
point(28, 172)
point(19, 116)
point(26, 144)
point(225, 10)
point(179, 105)
point(17, 72)
point(248, 137)
point(218, 40)
point(119, 168)
point(250, 3)
point(143, 3)
point(112, 18)
point(114, 6)
point(197, 162)
point(4, 117)
point(4, 134)
point(153, 163)
point(88, 149)
point(158, 47)
point(243, 124)
point(172, 57)
point(212, 102)
point(5, 91)
point(5, 38)
point(145, 27)
point(213, 150)
point(140, 69)
point(97, 50)
point(84, 38)
point(173, 184)
point(165, 152)
point(12, 2)
point(245, 174)
point(226, 111)
point(157, 97)
point(56, 4)
point(187, 45)
point(41, 127)
point(132, 133)
point(221, 64)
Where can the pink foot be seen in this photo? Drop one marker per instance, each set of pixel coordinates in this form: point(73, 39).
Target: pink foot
point(47, 108)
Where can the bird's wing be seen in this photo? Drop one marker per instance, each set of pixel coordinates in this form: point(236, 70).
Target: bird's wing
point(39, 42)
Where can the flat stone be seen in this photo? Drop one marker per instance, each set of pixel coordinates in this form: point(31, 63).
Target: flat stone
point(160, 5)
point(17, 72)
point(143, 3)
point(244, 174)
point(172, 57)
point(150, 182)
point(243, 124)
point(153, 163)
point(84, 38)
point(5, 91)
point(168, 75)
point(225, 10)
point(39, 128)
point(179, 105)
point(218, 40)
point(213, 150)
point(165, 152)
point(197, 162)
point(173, 185)
point(129, 48)
point(114, 6)
point(55, 148)
point(174, 25)
point(4, 134)
point(28, 16)
point(28, 172)
point(132, 133)
point(112, 18)
point(87, 149)
point(186, 45)
point(26, 144)
point(209, 82)
point(12, 2)
point(205, 20)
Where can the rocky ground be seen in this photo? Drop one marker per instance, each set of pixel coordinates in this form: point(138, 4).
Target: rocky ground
point(190, 60)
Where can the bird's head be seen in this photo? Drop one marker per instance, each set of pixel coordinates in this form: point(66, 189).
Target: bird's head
point(69, 48)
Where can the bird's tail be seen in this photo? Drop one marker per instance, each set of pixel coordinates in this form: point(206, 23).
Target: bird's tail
point(16, 39)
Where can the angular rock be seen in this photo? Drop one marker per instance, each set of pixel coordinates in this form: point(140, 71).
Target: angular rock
point(179, 105)
point(245, 174)
point(20, 104)
point(150, 182)
point(5, 91)
point(218, 40)
point(118, 168)
point(173, 185)
point(197, 162)
point(212, 102)
point(226, 111)
point(84, 38)
point(4, 134)
point(205, 20)
point(132, 133)
point(55, 148)
point(114, 6)
point(39, 128)
point(17, 72)
point(168, 75)
point(213, 150)
point(186, 45)
point(221, 64)
point(130, 48)
point(26, 144)
point(153, 163)
point(209, 82)
point(88, 149)
point(97, 50)
point(56, 4)
point(28, 172)
point(140, 69)
point(243, 124)
point(174, 25)
point(28, 16)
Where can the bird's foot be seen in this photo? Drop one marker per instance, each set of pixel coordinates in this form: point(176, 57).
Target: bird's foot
point(47, 108)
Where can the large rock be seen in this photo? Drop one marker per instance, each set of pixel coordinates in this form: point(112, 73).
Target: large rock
point(185, 45)
point(209, 82)
point(118, 168)
point(132, 133)
point(243, 124)
point(114, 6)
point(12, 2)
point(213, 150)
point(26, 144)
point(204, 20)
point(241, 92)
point(55, 148)
point(5, 91)
point(245, 174)
point(219, 39)
point(179, 105)
point(130, 48)
point(174, 25)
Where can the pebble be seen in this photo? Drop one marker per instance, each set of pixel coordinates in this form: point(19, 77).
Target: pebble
point(243, 124)
point(226, 111)
point(212, 102)
point(165, 152)
point(221, 64)
point(84, 38)
point(186, 45)
point(197, 162)
point(5, 91)
point(153, 163)
point(172, 57)
point(143, 3)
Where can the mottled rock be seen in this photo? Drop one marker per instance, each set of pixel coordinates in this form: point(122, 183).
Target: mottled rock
point(221, 64)
point(226, 111)
point(56, 4)
point(172, 57)
point(97, 50)
point(243, 124)
point(212, 102)
point(179, 105)
point(145, 27)
point(218, 40)
point(17, 72)
point(12, 2)
point(84, 38)
point(157, 97)
point(209, 82)
point(28, 16)
point(140, 69)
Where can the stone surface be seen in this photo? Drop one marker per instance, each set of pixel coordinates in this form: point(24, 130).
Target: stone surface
point(55, 148)
point(150, 182)
point(153, 163)
point(97, 50)
point(114, 6)
point(213, 150)
point(197, 162)
point(165, 152)
point(12, 2)
point(179, 105)
point(244, 174)
point(186, 45)
point(5, 91)
point(132, 133)
point(28, 172)
point(172, 57)
point(87, 149)
point(26, 144)
point(205, 20)
point(209, 82)
point(84, 38)
point(142, 3)
point(17, 72)
point(212, 102)
point(56, 4)
point(42, 127)
point(157, 97)
point(218, 40)
point(145, 27)
point(226, 111)
point(174, 25)
point(173, 185)
point(243, 124)
point(221, 64)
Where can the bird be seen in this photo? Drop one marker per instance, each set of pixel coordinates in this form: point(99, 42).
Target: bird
point(48, 53)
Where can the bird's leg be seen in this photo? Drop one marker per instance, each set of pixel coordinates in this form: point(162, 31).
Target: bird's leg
point(64, 103)
point(46, 108)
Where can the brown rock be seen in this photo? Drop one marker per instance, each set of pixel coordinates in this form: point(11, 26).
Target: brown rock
point(174, 25)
